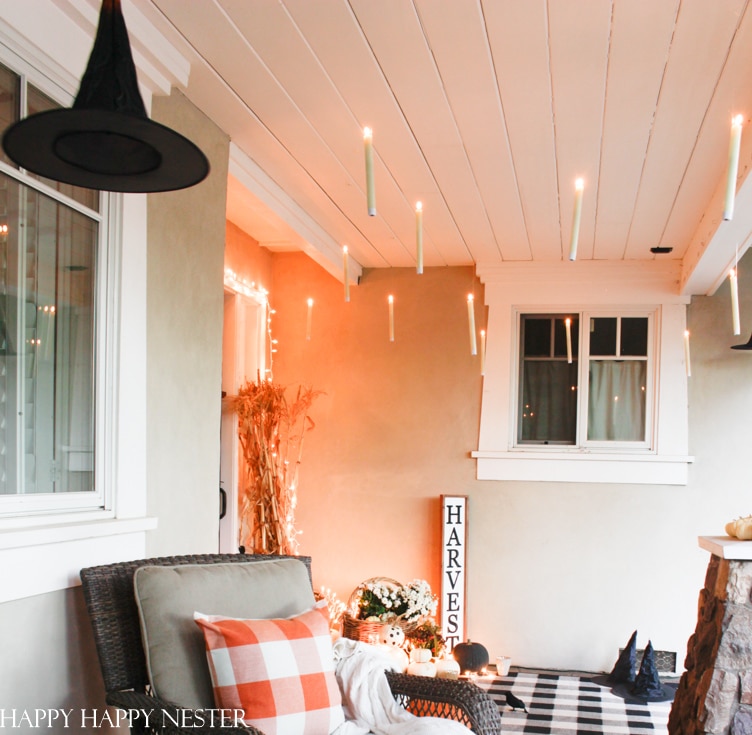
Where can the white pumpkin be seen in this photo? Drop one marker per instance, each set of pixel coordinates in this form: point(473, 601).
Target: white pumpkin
point(422, 668)
point(447, 668)
point(392, 635)
point(420, 655)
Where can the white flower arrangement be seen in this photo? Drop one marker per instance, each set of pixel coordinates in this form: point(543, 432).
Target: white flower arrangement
point(386, 600)
point(421, 602)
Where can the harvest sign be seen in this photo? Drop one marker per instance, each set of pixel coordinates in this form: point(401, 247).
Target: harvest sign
point(453, 558)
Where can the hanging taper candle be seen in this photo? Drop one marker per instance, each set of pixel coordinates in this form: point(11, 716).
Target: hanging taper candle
point(471, 323)
point(687, 362)
point(346, 272)
point(579, 185)
point(390, 299)
point(370, 188)
point(419, 236)
point(734, 301)
point(733, 166)
point(309, 319)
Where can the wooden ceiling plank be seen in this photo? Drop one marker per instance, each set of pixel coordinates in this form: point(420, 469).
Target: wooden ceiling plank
point(579, 63)
point(698, 52)
point(518, 39)
point(254, 82)
point(640, 42)
point(457, 36)
point(402, 53)
point(353, 71)
point(708, 164)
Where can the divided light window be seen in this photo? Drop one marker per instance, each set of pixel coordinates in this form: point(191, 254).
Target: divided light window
point(588, 390)
point(49, 234)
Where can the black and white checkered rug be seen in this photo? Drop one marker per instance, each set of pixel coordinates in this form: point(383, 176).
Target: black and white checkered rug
point(569, 705)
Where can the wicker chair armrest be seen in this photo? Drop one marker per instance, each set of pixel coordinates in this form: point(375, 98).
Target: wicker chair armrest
point(449, 698)
point(148, 715)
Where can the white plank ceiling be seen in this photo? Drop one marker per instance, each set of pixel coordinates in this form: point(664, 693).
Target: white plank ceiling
point(485, 110)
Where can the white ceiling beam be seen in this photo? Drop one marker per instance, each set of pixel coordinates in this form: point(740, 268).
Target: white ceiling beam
point(318, 244)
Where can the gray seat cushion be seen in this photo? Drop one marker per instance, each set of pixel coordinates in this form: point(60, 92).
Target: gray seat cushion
point(167, 597)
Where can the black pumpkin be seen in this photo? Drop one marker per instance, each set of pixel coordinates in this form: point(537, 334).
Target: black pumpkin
point(471, 656)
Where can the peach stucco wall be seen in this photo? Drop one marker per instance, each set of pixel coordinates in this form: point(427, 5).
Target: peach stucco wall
point(246, 258)
point(397, 420)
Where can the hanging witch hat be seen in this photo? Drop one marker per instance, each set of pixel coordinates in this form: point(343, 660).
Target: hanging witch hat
point(624, 668)
point(106, 140)
point(647, 686)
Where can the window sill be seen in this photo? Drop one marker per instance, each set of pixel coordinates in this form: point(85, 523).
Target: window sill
point(582, 466)
point(44, 558)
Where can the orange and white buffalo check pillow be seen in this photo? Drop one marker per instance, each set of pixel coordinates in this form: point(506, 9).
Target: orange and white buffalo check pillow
point(280, 672)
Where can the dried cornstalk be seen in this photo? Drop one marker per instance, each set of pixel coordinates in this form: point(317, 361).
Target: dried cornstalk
point(270, 430)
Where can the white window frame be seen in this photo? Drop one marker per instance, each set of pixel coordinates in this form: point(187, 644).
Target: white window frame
point(624, 288)
point(106, 280)
point(583, 366)
point(43, 550)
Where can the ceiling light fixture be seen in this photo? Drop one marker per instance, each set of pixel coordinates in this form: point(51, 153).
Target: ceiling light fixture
point(106, 140)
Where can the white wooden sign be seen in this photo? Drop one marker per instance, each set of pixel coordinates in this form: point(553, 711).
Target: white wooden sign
point(453, 560)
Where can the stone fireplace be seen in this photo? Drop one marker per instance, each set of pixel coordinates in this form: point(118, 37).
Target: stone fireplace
point(715, 691)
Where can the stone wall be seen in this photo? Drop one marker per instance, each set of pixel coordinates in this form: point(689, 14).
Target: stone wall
point(715, 691)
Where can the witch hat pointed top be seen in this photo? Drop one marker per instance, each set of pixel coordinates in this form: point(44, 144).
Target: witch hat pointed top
point(624, 668)
point(647, 686)
point(106, 140)
point(626, 664)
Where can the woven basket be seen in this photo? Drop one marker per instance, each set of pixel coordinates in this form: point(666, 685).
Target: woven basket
point(369, 630)
point(361, 630)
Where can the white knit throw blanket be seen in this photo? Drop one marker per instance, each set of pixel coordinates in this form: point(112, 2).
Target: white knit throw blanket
point(368, 702)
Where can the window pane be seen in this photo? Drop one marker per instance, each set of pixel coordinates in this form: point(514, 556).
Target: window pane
point(603, 336)
point(616, 408)
point(39, 102)
point(47, 366)
point(536, 336)
point(548, 409)
point(634, 336)
point(9, 102)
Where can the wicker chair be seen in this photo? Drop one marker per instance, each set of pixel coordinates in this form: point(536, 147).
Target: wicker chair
point(109, 596)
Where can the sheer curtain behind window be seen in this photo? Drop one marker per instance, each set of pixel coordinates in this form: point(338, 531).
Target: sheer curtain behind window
point(616, 407)
point(549, 402)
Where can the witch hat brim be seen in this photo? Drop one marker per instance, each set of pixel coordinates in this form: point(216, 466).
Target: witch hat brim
point(666, 694)
point(106, 141)
point(104, 149)
point(746, 346)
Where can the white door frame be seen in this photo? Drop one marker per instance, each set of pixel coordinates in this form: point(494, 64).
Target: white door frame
point(243, 359)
